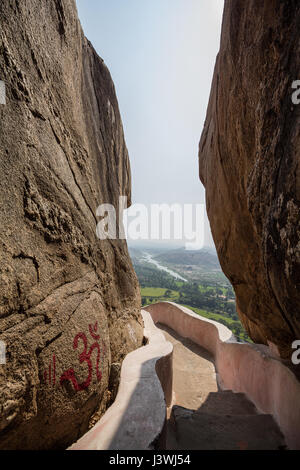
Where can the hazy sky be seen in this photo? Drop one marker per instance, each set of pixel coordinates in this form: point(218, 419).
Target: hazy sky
point(161, 55)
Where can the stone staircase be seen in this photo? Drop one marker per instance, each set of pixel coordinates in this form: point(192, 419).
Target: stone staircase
point(203, 417)
point(171, 397)
point(226, 421)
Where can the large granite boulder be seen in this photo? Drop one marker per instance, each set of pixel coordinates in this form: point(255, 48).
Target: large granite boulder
point(69, 302)
point(250, 166)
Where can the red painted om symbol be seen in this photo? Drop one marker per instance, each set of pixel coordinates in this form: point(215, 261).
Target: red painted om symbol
point(84, 357)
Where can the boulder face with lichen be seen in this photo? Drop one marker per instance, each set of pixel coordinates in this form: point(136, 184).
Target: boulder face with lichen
point(250, 166)
point(69, 302)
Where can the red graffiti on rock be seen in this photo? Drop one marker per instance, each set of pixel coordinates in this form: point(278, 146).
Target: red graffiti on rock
point(85, 356)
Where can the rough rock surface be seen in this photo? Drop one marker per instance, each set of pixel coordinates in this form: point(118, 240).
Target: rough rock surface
point(65, 295)
point(250, 165)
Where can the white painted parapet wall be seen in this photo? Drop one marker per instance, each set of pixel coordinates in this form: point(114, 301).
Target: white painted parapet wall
point(136, 419)
point(246, 368)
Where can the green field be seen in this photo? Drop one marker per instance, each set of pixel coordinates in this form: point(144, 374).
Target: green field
point(210, 315)
point(152, 295)
point(158, 292)
point(210, 298)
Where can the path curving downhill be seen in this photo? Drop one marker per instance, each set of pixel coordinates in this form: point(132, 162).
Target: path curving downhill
point(203, 417)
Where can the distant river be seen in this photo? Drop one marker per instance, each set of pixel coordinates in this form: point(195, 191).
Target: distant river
point(149, 258)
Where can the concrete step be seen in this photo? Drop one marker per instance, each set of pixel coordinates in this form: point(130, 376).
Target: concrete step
point(193, 430)
point(227, 403)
